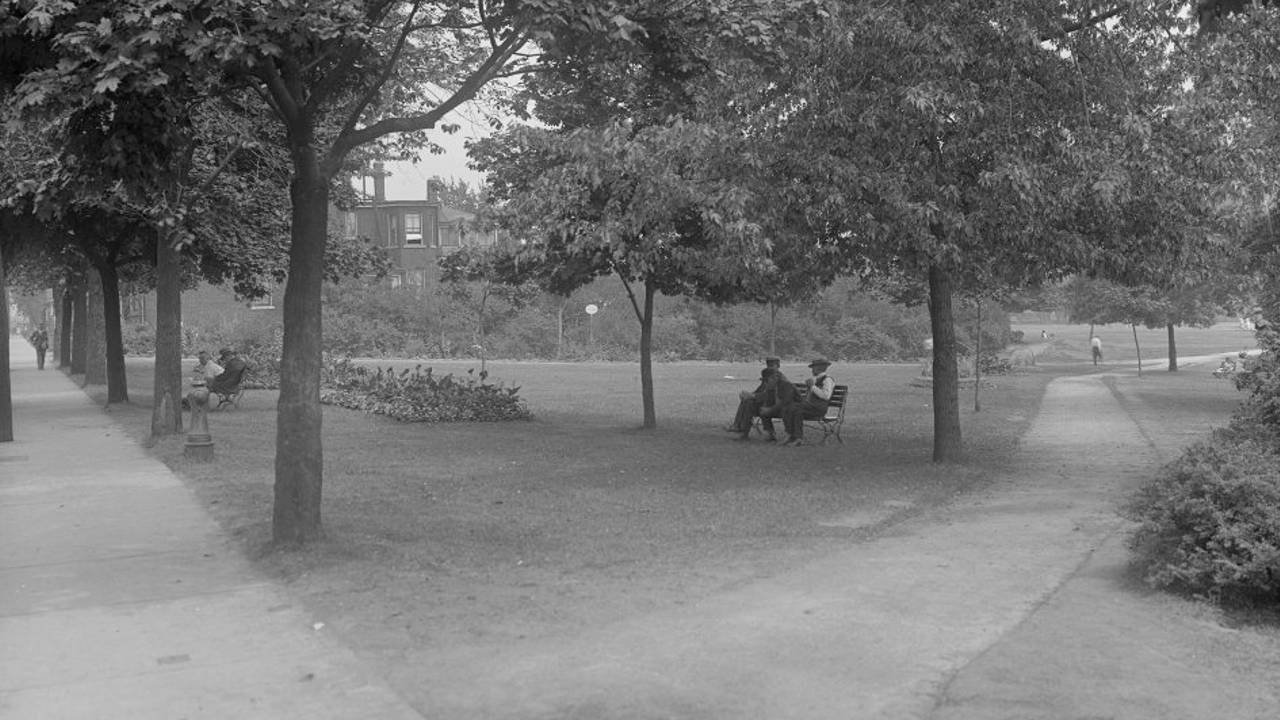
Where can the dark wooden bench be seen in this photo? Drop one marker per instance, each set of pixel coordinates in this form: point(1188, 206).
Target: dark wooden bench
point(831, 422)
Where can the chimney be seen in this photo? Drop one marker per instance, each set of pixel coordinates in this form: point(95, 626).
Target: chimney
point(433, 190)
point(379, 182)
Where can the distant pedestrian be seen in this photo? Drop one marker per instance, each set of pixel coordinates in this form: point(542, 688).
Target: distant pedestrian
point(40, 340)
point(1044, 334)
point(1095, 348)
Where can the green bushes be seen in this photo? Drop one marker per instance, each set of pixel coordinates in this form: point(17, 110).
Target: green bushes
point(418, 396)
point(1209, 523)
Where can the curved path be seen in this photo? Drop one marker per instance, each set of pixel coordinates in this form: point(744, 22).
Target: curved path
point(1007, 604)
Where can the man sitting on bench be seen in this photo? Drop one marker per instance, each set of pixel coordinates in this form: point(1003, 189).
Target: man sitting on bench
point(810, 407)
point(227, 382)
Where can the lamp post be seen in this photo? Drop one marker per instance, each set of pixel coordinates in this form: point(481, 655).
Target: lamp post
point(591, 309)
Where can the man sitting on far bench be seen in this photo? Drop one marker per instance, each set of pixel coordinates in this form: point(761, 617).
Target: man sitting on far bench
point(227, 382)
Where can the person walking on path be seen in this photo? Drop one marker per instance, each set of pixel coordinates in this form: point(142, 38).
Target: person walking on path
point(1095, 349)
point(40, 341)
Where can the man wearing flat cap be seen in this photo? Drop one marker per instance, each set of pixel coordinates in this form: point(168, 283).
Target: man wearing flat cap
point(812, 406)
point(750, 404)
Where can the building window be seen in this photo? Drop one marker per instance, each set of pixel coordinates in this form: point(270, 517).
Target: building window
point(266, 302)
point(417, 278)
point(449, 236)
point(393, 230)
point(396, 281)
point(413, 228)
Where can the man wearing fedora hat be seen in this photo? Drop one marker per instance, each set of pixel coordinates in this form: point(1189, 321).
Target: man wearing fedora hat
point(812, 406)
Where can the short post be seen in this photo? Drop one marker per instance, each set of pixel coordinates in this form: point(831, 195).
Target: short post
point(199, 444)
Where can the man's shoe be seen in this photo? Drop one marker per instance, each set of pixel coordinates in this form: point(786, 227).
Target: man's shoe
point(788, 441)
point(744, 437)
point(731, 428)
point(771, 438)
point(800, 441)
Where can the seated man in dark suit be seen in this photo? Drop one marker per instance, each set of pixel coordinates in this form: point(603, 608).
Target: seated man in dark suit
point(233, 367)
point(750, 401)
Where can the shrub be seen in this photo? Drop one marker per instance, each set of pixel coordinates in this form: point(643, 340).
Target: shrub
point(418, 396)
point(1209, 524)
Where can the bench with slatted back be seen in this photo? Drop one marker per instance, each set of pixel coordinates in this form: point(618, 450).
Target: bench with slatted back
point(831, 422)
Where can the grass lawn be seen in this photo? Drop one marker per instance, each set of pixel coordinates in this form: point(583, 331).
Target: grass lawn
point(490, 532)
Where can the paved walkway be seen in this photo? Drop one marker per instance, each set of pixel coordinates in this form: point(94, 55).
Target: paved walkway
point(121, 599)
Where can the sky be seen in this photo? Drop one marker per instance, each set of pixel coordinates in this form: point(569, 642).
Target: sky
point(408, 181)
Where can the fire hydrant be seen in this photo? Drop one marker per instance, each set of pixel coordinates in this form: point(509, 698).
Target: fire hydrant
point(199, 444)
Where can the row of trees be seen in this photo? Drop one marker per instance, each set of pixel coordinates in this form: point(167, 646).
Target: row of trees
point(728, 150)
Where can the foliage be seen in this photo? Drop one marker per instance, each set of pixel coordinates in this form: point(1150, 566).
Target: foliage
point(1210, 523)
point(418, 396)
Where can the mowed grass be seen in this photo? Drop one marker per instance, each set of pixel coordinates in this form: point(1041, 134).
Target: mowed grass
point(579, 514)
point(1070, 343)
point(492, 531)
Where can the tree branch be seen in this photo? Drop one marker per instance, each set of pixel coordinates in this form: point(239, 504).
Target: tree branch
point(1089, 22)
point(355, 138)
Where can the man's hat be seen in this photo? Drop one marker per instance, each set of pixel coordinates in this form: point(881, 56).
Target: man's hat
point(820, 363)
point(771, 360)
point(224, 352)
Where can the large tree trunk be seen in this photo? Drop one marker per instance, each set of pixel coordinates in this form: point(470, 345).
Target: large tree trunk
point(113, 339)
point(299, 454)
point(946, 376)
point(646, 358)
point(95, 346)
point(1173, 350)
point(977, 357)
point(6, 391)
point(166, 407)
point(80, 325)
point(64, 326)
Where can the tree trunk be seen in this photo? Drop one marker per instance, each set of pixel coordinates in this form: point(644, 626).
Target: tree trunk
point(64, 326)
point(646, 357)
point(113, 338)
point(166, 406)
point(1136, 347)
point(295, 517)
point(946, 376)
point(560, 330)
point(80, 325)
point(977, 357)
point(6, 390)
point(773, 329)
point(95, 346)
point(1173, 349)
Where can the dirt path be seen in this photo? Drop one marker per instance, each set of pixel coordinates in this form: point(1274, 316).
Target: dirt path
point(963, 612)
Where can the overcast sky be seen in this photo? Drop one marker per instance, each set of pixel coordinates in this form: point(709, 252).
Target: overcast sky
point(408, 181)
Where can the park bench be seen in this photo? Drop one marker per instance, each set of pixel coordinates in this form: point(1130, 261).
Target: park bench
point(831, 422)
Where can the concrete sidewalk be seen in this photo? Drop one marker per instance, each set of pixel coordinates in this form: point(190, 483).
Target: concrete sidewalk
point(120, 597)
